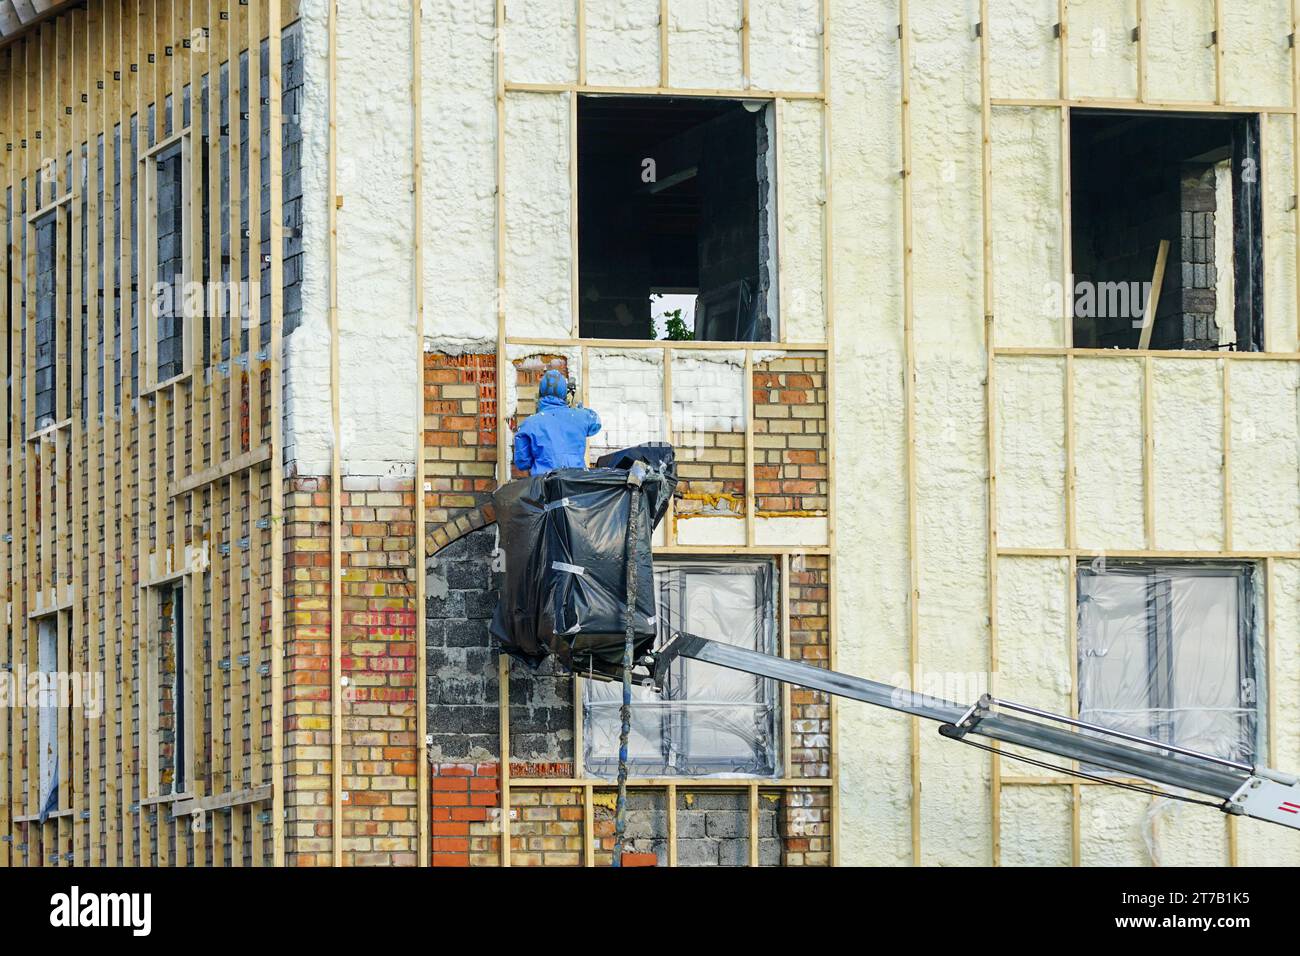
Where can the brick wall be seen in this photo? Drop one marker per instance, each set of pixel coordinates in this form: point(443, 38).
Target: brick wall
point(378, 666)
point(806, 813)
point(790, 441)
point(307, 671)
point(460, 409)
point(379, 702)
point(462, 587)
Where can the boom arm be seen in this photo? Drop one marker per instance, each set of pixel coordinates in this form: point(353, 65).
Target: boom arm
point(1239, 788)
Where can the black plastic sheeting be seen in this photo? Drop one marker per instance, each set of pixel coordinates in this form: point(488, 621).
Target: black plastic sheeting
point(564, 535)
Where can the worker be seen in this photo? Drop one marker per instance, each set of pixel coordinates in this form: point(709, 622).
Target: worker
point(555, 436)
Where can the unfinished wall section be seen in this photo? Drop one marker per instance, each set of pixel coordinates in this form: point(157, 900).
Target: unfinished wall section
point(870, 367)
point(1087, 457)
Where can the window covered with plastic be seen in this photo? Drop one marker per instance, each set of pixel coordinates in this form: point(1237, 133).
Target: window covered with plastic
point(709, 720)
point(1173, 652)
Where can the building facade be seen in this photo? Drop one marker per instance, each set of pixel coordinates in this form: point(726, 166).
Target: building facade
point(974, 326)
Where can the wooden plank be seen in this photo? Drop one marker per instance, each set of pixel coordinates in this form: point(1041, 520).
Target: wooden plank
point(1153, 299)
point(193, 59)
point(1227, 456)
point(72, 32)
point(582, 41)
point(990, 407)
point(220, 362)
point(32, 565)
point(589, 825)
point(8, 658)
point(753, 825)
point(663, 44)
point(744, 45)
point(1125, 354)
point(909, 418)
point(1141, 51)
point(223, 801)
point(705, 92)
point(89, 46)
point(671, 796)
point(1219, 75)
point(422, 832)
point(276, 15)
point(1148, 453)
point(336, 508)
point(751, 495)
point(503, 714)
point(692, 346)
point(111, 44)
point(1072, 616)
point(575, 322)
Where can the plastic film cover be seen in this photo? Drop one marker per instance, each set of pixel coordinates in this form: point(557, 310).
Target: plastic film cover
point(564, 535)
point(1173, 652)
point(709, 720)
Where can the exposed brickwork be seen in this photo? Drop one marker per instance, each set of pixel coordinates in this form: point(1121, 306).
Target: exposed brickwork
point(466, 799)
point(546, 825)
point(307, 671)
point(460, 408)
point(810, 642)
point(546, 829)
point(806, 813)
point(806, 827)
point(379, 701)
point(711, 469)
point(790, 457)
point(378, 665)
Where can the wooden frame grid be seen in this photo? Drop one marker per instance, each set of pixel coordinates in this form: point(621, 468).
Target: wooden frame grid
point(1072, 553)
point(139, 483)
point(586, 785)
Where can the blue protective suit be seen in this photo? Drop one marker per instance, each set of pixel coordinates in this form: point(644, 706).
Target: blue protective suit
point(555, 436)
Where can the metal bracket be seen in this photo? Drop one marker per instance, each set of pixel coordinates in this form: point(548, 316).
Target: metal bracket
point(969, 720)
point(1136, 34)
point(979, 29)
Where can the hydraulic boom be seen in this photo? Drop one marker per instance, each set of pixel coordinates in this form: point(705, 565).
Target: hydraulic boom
point(1236, 787)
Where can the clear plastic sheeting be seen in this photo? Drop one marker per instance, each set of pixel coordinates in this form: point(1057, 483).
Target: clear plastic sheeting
point(708, 720)
point(1173, 652)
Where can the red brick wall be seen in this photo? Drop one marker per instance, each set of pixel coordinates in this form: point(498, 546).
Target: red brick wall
point(806, 812)
point(466, 800)
point(790, 440)
point(460, 426)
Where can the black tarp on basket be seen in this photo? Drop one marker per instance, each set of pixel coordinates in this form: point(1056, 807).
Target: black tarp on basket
point(565, 535)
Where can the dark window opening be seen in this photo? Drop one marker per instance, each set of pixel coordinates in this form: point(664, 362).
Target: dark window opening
point(676, 202)
point(47, 283)
point(170, 252)
point(1192, 181)
point(171, 701)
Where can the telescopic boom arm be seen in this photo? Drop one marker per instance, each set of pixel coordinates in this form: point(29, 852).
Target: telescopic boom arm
point(1237, 788)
